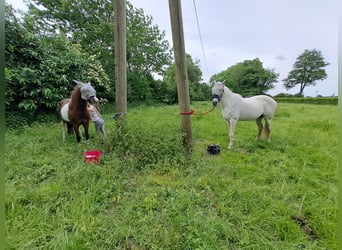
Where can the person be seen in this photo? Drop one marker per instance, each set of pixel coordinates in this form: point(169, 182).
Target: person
point(96, 117)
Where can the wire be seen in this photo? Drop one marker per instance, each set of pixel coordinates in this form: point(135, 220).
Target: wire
point(200, 36)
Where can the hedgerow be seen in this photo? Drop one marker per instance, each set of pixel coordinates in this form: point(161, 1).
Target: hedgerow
point(309, 100)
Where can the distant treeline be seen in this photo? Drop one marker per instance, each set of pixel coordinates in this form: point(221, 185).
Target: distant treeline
point(309, 100)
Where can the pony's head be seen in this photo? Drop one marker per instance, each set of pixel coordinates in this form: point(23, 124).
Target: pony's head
point(88, 93)
point(217, 93)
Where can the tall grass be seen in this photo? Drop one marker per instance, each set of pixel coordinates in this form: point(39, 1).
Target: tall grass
point(147, 194)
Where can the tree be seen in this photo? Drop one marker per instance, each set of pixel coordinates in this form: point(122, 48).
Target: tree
point(307, 70)
point(247, 78)
point(198, 90)
point(147, 50)
point(90, 24)
point(148, 54)
point(40, 67)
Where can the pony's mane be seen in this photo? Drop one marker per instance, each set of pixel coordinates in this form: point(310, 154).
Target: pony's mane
point(76, 91)
point(76, 99)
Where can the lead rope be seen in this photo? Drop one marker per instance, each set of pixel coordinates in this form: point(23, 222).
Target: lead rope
point(192, 112)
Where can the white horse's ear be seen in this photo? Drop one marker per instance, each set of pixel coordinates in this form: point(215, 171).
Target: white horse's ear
point(220, 83)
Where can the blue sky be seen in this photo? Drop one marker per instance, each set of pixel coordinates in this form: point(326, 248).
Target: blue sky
point(276, 32)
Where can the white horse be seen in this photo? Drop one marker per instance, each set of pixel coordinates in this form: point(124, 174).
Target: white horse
point(235, 107)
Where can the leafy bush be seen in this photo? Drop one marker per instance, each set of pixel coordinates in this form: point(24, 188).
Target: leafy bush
point(40, 67)
point(20, 119)
point(147, 146)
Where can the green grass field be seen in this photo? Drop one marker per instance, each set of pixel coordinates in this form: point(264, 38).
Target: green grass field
point(147, 194)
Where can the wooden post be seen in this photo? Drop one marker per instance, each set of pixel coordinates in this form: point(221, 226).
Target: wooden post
point(181, 71)
point(120, 56)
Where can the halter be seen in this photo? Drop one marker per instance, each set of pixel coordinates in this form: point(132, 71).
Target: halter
point(217, 96)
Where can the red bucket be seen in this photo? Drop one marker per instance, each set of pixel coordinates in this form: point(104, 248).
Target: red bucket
point(92, 156)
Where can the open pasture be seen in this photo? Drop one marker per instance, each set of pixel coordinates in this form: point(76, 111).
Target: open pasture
point(145, 194)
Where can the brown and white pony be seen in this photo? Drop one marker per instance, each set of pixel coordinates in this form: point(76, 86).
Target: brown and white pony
point(73, 111)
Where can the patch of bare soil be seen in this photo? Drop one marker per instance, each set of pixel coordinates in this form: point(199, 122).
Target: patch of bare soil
point(304, 225)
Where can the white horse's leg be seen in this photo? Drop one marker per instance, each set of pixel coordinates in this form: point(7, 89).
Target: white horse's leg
point(232, 125)
point(260, 127)
point(268, 127)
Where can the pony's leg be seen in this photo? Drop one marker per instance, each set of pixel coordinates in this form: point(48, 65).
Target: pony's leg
point(77, 132)
point(268, 127)
point(70, 128)
point(63, 129)
point(260, 127)
point(232, 125)
point(86, 130)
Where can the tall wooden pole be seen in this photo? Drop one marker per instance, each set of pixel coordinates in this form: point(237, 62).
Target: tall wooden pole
point(120, 56)
point(181, 71)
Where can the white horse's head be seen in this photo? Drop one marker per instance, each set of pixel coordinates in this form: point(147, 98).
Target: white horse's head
point(217, 93)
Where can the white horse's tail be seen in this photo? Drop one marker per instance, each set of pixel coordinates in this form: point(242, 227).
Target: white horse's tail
point(271, 106)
